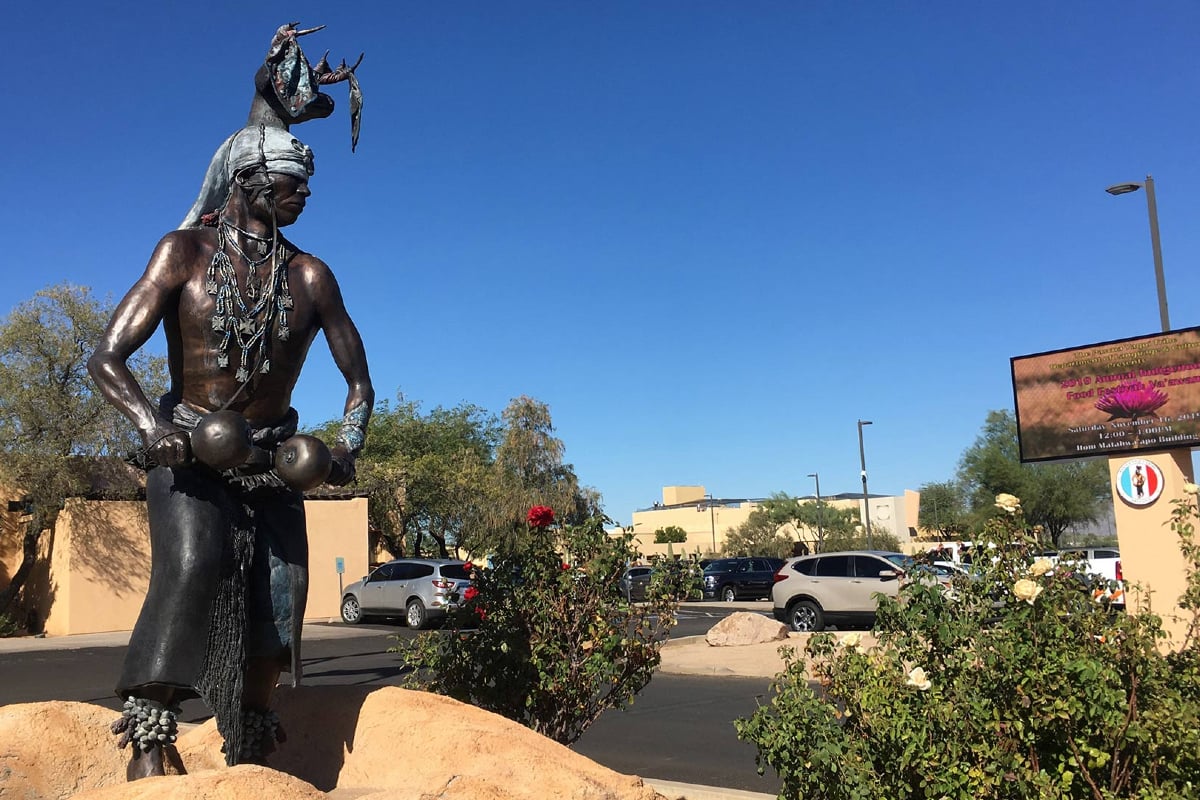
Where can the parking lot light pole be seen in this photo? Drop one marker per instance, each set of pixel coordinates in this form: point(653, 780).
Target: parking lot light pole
point(1155, 245)
point(712, 519)
point(820, 532)
point(862, 459)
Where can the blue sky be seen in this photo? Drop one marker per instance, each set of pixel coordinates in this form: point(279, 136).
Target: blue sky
point(710, 235)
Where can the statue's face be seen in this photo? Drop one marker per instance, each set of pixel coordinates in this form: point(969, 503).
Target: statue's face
point(289, 194)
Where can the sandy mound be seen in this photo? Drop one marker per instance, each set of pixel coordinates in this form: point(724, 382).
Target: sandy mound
point(342, 741)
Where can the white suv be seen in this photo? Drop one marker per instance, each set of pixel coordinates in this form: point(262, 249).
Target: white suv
point(1103, 562)
point(839, 589)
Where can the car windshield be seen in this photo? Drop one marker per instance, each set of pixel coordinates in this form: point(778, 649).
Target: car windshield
point(900, 560)
point(720, 566)
point(456, 572)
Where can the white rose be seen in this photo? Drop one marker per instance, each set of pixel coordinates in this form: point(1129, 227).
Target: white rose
point(1190, 488)
point(1008, 502)
point(1041, 567)
point(851, 640)
point(1027, 590)
point(917, 678)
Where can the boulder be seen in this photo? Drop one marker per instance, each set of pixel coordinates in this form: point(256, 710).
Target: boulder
point(238, 783)
point(55, 750)
point(346, 742)
point(745, 628)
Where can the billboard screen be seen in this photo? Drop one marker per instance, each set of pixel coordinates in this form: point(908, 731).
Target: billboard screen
point(1113, 397)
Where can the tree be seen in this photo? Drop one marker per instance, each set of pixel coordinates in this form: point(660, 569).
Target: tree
point(812, 519)
point(758, 536)
point(459, 478)
point(529, 471)
point(426, 474)
point(1054, 496)
point(670, 534)
point(50, 412)
point(855, 538)
point(943, 509)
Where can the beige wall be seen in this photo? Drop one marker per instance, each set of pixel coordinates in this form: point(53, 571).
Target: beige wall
point(96, 562)
point(336, 528)
point(1150, 555)
point(897, 515)
point(99, 567)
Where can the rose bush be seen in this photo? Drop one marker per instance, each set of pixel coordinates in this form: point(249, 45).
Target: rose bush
point(546, 638)
point(1016, 684)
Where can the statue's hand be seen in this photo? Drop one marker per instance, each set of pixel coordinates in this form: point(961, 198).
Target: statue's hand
point(168, 446)
point(342, 471)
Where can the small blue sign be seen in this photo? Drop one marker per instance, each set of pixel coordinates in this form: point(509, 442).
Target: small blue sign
point(341, 564)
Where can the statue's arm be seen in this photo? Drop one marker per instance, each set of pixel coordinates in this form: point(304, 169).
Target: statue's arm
point(134, 321)
point(346, 346)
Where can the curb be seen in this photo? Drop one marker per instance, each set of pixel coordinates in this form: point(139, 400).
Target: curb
point(690, 791)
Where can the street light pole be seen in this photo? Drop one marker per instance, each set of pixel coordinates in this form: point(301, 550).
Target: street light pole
point(820, 516)
point(712, 518)
point(1155, 245)
point(862, 459)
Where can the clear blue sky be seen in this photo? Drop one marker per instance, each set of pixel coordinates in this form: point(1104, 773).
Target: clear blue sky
point(710, 235)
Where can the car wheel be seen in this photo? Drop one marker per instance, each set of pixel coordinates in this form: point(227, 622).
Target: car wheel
point(728, 594)
point(351, 611)
point(805, 616)
point(415, 615)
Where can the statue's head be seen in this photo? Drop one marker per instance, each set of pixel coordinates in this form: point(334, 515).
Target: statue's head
point(269, 149)
point(272, 168)
point(260, 159)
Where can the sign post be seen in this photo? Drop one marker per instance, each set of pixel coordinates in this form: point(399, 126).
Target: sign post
point(340, 564)
point(1149, 548)
point(1135, 401)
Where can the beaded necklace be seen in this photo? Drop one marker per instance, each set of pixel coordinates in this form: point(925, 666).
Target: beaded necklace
point(246, 322)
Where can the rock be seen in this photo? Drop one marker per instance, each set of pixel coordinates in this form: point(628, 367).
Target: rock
point(55, 750)
point(355, 743)
point(240, 782)
point(745, 628)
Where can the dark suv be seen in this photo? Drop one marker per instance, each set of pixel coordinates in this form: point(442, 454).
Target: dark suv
point(740, 578)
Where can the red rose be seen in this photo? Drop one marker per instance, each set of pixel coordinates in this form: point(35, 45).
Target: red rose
point(540, 517)
point(470, 593)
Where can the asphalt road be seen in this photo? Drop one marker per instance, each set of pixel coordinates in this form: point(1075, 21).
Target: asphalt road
point(680, 728)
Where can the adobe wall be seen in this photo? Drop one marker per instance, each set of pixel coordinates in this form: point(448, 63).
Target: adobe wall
point(336, 529)
point(96, 563)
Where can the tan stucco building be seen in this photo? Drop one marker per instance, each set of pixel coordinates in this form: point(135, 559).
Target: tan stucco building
point(94, 566)
point(708, 520)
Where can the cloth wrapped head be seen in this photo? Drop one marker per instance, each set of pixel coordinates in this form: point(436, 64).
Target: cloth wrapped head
point(276, 149)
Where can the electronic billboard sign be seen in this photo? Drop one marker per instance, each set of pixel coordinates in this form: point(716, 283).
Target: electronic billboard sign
point(1113, 397)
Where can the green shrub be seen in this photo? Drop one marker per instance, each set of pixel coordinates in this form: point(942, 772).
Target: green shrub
point(1016, 683)
point(670, 534)
point(9, 626)
point(549, 645)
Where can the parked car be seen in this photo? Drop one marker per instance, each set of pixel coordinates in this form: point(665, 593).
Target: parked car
point(811, 592)
point(1103, 563)
point(743, 578)
point(635, 582)
point(421, 589)
point(683, 575)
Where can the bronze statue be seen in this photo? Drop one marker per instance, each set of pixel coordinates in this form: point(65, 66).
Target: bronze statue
point(240, 306)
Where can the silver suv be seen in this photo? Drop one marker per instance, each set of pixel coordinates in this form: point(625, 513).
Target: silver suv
point(422, 589)
point(839, 589)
